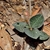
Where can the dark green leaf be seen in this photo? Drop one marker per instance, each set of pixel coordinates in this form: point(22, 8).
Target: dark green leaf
point(35, 33)
point(20, 26)
point(36, 21)
point(32, 33)
point(43, 36)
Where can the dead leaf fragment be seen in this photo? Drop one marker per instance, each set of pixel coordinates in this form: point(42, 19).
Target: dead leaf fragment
point(46, 29)
point(5, 40)
point(36, 10)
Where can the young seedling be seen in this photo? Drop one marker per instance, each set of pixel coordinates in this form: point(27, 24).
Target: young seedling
point(32, 30)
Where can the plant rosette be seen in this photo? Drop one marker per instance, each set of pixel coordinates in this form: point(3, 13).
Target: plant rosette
point(35, 23)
